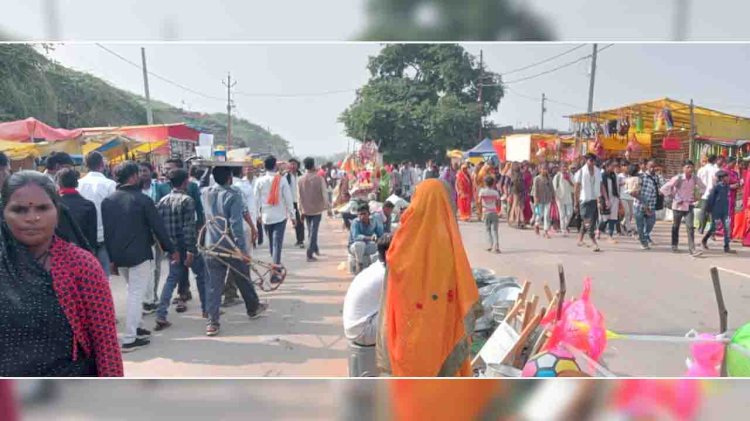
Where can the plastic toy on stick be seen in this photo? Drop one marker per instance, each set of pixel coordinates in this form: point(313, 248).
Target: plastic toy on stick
point(580, 325)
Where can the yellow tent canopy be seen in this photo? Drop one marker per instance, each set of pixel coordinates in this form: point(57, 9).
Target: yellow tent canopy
point(17, 151)
point(708, 122)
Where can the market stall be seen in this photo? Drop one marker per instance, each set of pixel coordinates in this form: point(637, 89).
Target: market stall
point(533, 147)
point(160, 140)
point(669, 131)
point(25, 141)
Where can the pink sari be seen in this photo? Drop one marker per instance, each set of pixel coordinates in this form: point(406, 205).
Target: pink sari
point(741, 221)
point(734, 178)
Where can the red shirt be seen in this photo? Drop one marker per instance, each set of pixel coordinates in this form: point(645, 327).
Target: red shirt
point(83, 291)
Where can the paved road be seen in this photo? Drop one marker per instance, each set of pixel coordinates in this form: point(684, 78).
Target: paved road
point(655, 292)
point(301, 335)
point(638, 291)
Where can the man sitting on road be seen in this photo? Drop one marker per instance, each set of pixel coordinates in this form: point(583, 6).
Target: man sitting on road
point(362, 301)
point(385, 216)
point(362, 237)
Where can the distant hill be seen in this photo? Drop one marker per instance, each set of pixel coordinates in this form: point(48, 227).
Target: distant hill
point(31, 85)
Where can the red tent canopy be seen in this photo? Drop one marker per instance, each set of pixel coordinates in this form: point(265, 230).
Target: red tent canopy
point(30, 129)
point(179, 131)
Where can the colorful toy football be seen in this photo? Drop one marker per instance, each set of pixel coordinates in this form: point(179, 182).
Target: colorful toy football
point(550, 364)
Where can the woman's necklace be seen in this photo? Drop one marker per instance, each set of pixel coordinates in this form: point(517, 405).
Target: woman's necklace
point(43, 258)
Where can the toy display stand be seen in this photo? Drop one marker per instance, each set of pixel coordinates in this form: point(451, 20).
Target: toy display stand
point(519, 335)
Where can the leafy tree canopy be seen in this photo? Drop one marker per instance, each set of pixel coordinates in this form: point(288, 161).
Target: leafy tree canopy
point(421, 100)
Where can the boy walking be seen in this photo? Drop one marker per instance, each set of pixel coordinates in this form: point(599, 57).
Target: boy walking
point(490, 201)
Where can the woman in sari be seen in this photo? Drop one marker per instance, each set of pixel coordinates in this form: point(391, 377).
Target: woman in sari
point(741, 225)
point(528, 180)
point(343, 195)
point(449, 176)
point(517, 197)
point(56, 308)
point(734, 187)
point(431, 300)
point(465, 193)
point(385, 185)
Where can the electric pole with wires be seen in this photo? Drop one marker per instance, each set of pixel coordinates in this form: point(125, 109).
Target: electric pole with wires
point(149, 110)
point(544, 110)
point(229, 84)
point(480, 105)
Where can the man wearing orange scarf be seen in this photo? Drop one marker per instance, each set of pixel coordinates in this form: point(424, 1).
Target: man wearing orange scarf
point(431, 300)
point(275, 204)
point(465, 193)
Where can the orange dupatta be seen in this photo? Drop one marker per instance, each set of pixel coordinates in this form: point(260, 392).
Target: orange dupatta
point(275, 193)
point(431, 298)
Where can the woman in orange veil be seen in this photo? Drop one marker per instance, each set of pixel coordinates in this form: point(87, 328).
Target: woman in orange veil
point(431, 300)
point(741, 226)
point(465, 193)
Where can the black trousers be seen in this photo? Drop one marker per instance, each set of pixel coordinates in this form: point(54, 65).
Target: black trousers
point(299, 228)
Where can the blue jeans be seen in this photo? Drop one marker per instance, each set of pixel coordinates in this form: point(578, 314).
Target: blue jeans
point(178, 272)
point(103, 257)
point(217, 274)
point(275, 234)
point(645, 224)
point(313, 225)
point(715, 219)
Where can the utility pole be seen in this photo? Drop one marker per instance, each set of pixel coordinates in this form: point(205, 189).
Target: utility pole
point(229, 84)
point(544, 110)
point(149, 111)
point(692, 131)
point(479, 98)
point(53, 20)
point(592, 79)
point(681, 18)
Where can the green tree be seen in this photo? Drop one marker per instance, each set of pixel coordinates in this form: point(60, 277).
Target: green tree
point(422, 99)
point(447, 20)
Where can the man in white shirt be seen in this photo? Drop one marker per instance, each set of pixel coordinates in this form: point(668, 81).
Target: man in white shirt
point(95, 187)
point(707, 174)
point(363, 299)
point(274, 210)
point(399, 204)
point(292, 177)
point(588, 189)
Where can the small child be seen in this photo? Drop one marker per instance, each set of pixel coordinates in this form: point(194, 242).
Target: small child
point(490, 200)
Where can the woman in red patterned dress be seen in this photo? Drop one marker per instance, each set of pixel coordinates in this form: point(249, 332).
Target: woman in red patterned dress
point(56, 311)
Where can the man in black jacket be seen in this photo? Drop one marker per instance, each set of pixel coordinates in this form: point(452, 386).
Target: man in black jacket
point(292, 177)
point(81, 211)
point(130, 223)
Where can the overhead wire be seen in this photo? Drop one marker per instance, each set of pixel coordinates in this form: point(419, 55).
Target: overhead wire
point(547, 60)
point(546, 72)
point(162, 78)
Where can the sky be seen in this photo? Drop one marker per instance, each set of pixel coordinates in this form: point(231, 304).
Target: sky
point(344, 19)
point(714, 75)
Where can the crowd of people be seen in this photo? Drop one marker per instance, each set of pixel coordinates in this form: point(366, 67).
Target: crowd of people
point(406, 321)
point(607, 198)
point(64, 235)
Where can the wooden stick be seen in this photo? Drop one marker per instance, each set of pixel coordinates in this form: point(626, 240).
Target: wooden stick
point(563, 290)
point(534, 303)
point(527, 315)
point(553, 304)
point(533, 323)
point(548, 292)
point(513, 311)
point(540, 342)
point(524, 291)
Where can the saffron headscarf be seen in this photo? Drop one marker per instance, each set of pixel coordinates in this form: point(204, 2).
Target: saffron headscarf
point(431, 299)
